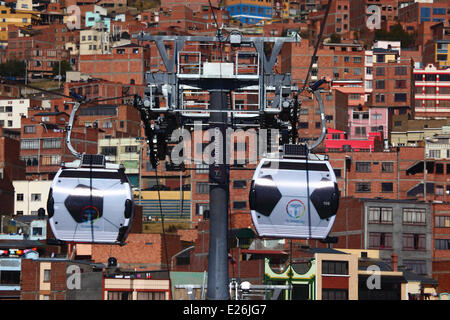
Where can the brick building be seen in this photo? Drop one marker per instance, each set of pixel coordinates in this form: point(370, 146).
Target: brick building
point(393, 85)
point(397, 174)
point(360, 13)
point(42, 143)
point(41, 47)
point(11, 168)
point(338, 20)
point(126, 64)
point(435, 11)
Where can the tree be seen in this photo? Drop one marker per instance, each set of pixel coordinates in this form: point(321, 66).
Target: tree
point(397, 33)
point(65, 66)
point(12, 68)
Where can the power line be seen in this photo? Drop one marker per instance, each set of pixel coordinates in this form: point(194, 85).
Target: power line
point(322, 28)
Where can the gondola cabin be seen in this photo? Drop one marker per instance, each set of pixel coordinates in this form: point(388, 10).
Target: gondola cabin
point(90, 201)
point(294, 198)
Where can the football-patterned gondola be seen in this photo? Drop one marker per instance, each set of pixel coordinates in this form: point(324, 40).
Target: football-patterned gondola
point(284, 205)
point(296, 196)
point(90, 200)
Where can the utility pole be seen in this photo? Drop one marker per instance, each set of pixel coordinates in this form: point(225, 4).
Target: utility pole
point(218, 199)
point(219, 80)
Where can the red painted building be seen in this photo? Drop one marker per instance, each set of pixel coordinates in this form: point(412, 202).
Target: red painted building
point(336, 140)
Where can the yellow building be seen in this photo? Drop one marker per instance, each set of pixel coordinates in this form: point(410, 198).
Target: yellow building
point(19, 18)
point(442, 53)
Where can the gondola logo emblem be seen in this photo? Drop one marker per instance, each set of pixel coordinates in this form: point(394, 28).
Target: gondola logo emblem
point(295, 209)
point(90, 213)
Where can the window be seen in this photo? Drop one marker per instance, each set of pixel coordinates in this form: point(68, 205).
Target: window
point(131, 149)
point(239, 205)
point(380, 240)
point(29, 129)
point(51, 143)
point(442, 244)
point(119, 295)
point(240, 184)
point(29, 144)
point(417, 266)
point(357, 59)
point(362, 187)
point(401, 71)
point(354, 96)
point(380, 215)
point(9, 277)
point(360, 131)
point(151, 295)
point(47, 275)
point(19, 197)
point(414, 241)
point(380, 71)
point(334, 294)
point(379, 84)
point(109, 151)
point(434, 153)
point(202, 168)
point(334, 267)
point(387, 187)
point(400, 97)
point(202, 187)
point(35, 197)
point(387, 167)
point(363, 166)
point(37, 231)
point(442, 222)
point(400, 84)
point(107, 125)
point(51, 160)
point(200, 208)
point(414, 216)
point(379, 97)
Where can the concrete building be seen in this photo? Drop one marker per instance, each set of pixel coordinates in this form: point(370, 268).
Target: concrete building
point(13, 110)
point(412, 132)
point(321, 274)
point(122, 151)
point(60, 279)
point(30, 196)
point(392, 226)
point(95, 40)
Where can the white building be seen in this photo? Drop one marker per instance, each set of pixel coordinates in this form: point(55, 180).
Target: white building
point(12, 111)
point(30, 196)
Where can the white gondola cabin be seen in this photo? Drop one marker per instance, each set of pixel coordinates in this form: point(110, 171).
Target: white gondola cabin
point(90, 201)
point(294, 198)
